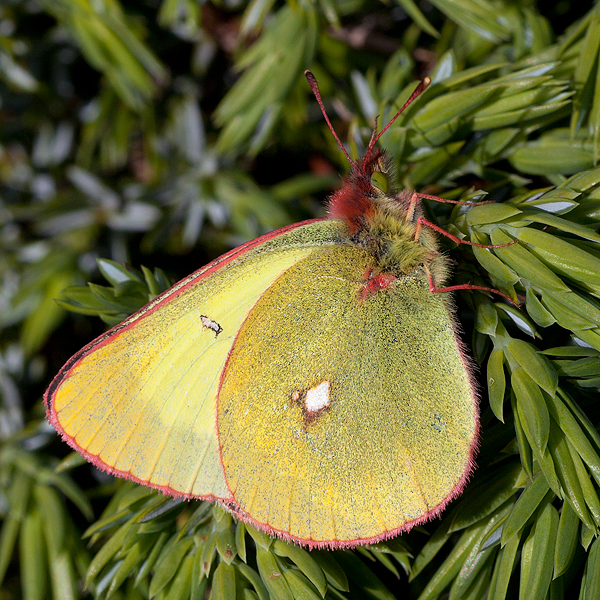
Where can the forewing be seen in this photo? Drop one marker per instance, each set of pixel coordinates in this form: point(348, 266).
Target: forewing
point(140, 401)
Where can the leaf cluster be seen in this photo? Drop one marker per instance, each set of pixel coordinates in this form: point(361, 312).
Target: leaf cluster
point(167, 548)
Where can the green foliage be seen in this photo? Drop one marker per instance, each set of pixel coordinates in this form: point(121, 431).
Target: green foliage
point(165, 132)
point(168, 548)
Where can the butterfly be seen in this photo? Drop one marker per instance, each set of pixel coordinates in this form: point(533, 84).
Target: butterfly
point(311, 381)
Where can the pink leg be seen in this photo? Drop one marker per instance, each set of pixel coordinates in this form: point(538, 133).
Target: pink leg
point(411, 207)
point(466, 286)
point(416, 195)
point(423, 221)
point(446, 201)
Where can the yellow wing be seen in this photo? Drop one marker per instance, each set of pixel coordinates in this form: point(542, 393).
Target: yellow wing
point(345, 420)
point(140, 401)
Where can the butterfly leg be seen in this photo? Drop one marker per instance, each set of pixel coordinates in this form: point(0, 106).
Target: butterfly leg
point(423, 221)
point(447, 201)
point(465, 286)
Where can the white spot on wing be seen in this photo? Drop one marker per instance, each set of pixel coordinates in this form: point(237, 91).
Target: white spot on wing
point(317, 398)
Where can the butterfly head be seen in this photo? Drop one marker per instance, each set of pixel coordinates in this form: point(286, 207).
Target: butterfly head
point(378, 218)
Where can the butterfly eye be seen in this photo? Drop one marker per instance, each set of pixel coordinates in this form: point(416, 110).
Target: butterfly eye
point(380, 181)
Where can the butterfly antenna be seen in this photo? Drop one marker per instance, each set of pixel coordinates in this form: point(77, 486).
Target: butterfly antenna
point(312, 81)
point(418, 91)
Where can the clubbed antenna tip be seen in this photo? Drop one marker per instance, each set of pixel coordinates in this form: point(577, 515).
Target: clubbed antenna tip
point(418, 91)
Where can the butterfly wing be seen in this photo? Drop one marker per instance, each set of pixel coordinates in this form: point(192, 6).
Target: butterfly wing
point(345, 418)
point(140, 401)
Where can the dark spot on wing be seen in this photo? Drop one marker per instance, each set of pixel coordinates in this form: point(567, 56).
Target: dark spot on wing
point(208, 323)
point(437, 424)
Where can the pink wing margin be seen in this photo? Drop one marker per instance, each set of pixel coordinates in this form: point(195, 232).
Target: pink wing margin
point(162, 299)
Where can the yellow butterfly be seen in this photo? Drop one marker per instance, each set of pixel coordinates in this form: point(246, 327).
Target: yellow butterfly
point(311, 380)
